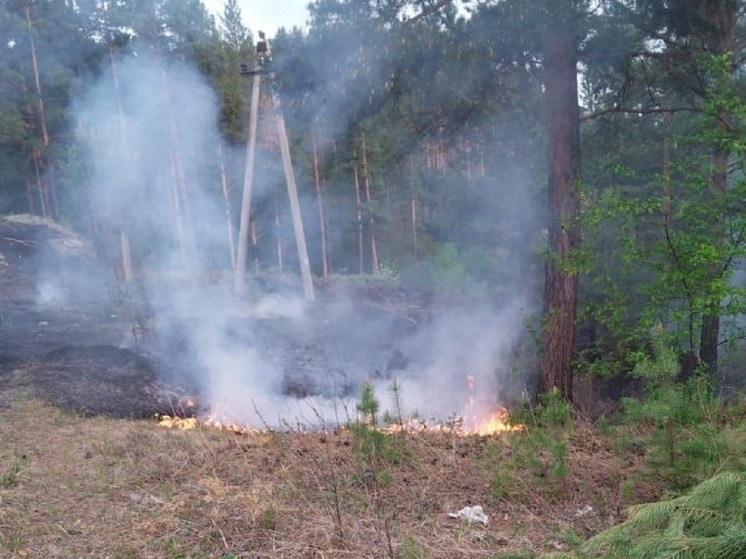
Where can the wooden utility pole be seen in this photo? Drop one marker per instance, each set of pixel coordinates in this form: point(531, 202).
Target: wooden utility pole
point(248, 181)
point(300, 236)
point(243, 235)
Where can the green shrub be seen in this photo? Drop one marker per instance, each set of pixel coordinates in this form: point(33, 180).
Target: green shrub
point(684, 444)
point(707, 523)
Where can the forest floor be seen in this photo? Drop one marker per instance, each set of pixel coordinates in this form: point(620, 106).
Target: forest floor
point(87, 471)
point(73, 486)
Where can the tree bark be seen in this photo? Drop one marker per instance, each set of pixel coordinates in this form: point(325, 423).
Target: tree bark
point(320, 206)
point(359, 215)
point(227, 203)
point(413, 208)
point(374, 264)
point(44, 191)
point(563, 131)
point(721, 18)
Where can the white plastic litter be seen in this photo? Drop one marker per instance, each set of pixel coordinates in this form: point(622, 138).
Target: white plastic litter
point(472, 514)
point(587, 509)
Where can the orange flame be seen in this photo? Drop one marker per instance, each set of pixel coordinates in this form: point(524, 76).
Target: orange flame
point(497, 423)
point(209, 421)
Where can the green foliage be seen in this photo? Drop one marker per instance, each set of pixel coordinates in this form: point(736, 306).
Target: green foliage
point(685, 443)
point(664, 215)
point(538, 459)
point(374, 446)
point(455, 270)
point(709, 522)
point(368, 405)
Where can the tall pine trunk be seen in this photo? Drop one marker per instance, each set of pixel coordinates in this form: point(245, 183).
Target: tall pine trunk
point(225, 189)
point(359, 215)
point(721, 18)
point(563, 131)
point(44, 186)
point(320, 207)
point(374, 264)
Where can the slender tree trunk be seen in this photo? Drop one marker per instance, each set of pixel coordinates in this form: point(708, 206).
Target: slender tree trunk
point(36, 157)
point(227, 205)
point(563, 130)
point(254, 244)
point(126, 258)
point(37, 78)
point(47, 186)
point(413, 207)
point(176, 206)
point(320, 206)
point(278, 235)
point(131, 157)
point(374, 264)
point(179, 179)
point(359, 209)
point(482, 167)
point(30, 197)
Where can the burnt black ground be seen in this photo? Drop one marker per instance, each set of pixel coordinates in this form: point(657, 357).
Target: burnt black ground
point(86, 342)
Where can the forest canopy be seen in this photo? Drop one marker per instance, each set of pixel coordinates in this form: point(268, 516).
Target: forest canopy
point(583, 158)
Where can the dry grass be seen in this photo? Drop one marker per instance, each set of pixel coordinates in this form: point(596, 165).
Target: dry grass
point(73, 487)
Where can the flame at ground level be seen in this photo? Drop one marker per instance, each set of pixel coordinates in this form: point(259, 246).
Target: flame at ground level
point(497, 423)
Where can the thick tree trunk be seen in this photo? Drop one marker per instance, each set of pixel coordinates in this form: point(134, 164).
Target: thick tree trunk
point(721, 17)
point(710, 333)
point(560, 291)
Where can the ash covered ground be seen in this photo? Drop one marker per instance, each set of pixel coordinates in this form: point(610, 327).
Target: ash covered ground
point(72, 334)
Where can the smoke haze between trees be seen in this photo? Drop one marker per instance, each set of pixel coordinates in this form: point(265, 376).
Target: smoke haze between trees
point(159, 115)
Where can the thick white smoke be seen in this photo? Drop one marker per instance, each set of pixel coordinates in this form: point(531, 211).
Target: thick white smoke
point(152, 131)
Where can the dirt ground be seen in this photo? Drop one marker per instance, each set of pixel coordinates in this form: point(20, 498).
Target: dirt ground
point(99, 487)
point(87, 471)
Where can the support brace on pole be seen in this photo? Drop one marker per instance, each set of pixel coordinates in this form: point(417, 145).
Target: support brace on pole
point(300, 237)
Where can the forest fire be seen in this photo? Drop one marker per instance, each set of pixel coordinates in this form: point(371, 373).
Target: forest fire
point(474, 421)
point(497, 423)
point(210, 420)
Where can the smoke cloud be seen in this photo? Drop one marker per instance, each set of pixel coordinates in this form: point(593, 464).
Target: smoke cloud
point(149, 131)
